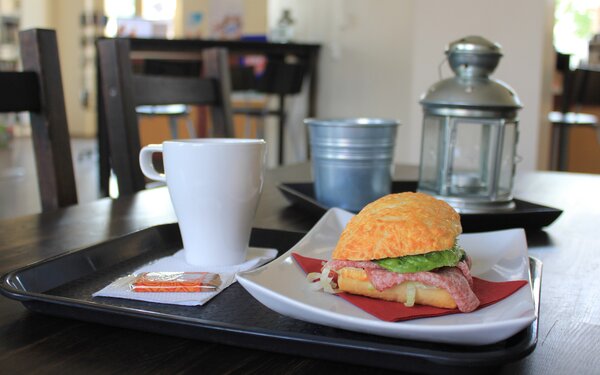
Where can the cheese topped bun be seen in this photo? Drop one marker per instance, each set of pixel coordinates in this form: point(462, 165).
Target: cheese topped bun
point(398, 225)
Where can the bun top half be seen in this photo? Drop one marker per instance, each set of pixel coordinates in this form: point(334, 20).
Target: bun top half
point(397, 225)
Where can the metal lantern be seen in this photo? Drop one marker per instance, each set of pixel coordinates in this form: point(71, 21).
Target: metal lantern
point(470, 132)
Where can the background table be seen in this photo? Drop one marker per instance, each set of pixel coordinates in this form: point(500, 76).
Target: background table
point(569, 331)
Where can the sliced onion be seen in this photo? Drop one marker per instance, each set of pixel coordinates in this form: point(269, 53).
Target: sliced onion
point(411, 292)
point(323, 281)
point(313, 278)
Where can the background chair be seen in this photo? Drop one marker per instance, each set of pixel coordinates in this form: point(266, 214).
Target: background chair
point(581, 87)
point(173, 112)
point(281, 79)
point(123, 91)
point(38, 89)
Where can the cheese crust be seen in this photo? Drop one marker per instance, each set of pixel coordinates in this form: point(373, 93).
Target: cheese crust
point(398, 225)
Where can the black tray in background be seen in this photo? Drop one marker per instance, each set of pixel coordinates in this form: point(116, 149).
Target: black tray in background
point(526, 215)
point(63, 286)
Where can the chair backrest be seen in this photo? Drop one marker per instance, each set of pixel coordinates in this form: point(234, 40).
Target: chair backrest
point(123, 90)
point(586, 87)
point(563, 62)
point(38, 90)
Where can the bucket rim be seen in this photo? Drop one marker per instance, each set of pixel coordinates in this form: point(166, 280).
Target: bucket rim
point(351, 121)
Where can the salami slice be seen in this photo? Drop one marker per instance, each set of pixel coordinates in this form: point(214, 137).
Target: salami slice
point(337, 264)
point(465, 269)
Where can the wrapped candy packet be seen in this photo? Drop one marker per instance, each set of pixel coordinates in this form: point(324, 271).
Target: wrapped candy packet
point(176, 282)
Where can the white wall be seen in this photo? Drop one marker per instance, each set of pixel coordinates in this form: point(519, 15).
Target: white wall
point(364, 67)
point(63, 16)
point(379, 56)
point(66, 15)
point(35, 13)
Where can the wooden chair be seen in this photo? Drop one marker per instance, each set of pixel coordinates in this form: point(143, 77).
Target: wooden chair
point(580, 87)
point(38, 89)
point(172, 112)
point(281, 79)
point(123, 91)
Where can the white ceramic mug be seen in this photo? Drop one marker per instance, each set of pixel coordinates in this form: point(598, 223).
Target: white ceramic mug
point(215, 185)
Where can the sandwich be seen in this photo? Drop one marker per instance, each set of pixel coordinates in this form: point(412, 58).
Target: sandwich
point(403, 247)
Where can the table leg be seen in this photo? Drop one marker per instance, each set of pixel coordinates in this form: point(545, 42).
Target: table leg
point(563, 148)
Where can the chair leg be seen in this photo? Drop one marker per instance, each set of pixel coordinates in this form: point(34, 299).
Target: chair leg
point(190, 127)
point(247, 126)
point(103, 157)
point(281, 115)
point(260, 127)
point(563, 148)
point(559, 147)
point(173, 127)
point(554, 147)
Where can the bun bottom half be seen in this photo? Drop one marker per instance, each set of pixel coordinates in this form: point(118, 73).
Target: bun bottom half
point(355, 281)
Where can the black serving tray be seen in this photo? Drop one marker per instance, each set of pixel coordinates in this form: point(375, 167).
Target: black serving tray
point(63, 286)
point(527, 215)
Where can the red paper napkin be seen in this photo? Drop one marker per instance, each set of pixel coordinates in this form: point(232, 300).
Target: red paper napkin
point(488, 293)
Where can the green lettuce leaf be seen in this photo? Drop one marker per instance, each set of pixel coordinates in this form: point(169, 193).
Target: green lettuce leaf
point(423, 262)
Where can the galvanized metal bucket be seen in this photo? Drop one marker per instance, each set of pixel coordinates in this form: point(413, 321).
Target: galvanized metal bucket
point(351, 160)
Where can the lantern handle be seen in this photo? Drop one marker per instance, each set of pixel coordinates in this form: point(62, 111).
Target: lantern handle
point(440, 67)
point(518, 158)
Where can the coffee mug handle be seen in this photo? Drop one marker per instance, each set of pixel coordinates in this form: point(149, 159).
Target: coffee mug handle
point(146, 162)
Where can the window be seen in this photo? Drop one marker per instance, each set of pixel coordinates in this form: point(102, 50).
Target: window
point(119, 8)
point(575, 24)
point(124, 19)
point(158, 10)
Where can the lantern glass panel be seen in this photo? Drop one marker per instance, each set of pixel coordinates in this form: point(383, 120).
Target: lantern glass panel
point(432, 152)
point(468, 158)
point(472, 157)
point(507, 160)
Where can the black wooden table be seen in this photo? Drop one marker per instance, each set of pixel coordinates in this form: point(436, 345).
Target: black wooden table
point(569, 333)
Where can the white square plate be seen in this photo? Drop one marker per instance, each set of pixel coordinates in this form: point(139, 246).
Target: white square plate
point(497, 256)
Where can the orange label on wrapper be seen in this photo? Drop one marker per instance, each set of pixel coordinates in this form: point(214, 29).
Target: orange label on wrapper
point(176, 282)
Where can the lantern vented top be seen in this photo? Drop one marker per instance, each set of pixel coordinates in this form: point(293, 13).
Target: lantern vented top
point(473, 56)
point(471, 92)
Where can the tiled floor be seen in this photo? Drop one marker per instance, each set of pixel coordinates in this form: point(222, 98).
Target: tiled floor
point(18, 178)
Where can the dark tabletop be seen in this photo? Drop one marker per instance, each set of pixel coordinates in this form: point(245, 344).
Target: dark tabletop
point(569, 330)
